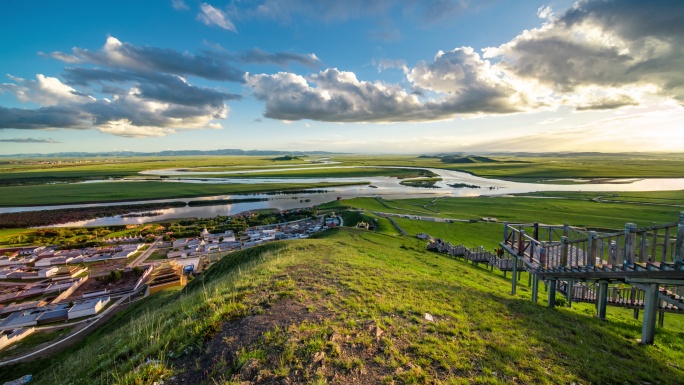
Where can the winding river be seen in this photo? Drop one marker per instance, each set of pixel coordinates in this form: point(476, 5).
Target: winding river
point(385, 187)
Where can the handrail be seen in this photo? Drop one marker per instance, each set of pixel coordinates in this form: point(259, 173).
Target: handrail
point(541, 246)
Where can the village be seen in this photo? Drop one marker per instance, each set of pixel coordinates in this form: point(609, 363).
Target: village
point(46, 287)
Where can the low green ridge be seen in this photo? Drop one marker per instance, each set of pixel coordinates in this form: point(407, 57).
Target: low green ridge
point(349, 305)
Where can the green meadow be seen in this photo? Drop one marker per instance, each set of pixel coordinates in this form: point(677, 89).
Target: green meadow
point(522, 210)
point(129, 191)
point(51, 181)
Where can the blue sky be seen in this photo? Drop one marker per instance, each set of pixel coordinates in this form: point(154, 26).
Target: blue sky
point(403, 76)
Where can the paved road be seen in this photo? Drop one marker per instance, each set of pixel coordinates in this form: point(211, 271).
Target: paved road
point(145, 253)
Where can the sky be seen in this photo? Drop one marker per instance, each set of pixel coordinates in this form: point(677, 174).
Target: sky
point(402, 76)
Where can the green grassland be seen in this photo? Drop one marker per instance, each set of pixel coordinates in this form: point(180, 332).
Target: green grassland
point(533, 168)
point(654, 197)
point(508, 167)
point(522, 210)
point(33, 340)
point(357, 301)
point(130, 191)
point(31, 182)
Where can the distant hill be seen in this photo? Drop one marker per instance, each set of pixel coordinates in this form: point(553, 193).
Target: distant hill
point(468, 159)
point(286, 158)
point(124, 154)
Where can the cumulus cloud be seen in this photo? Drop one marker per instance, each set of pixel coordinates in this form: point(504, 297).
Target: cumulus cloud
point(598, 55)
point(147, 93)
point(146, 89)
point(28, 140)
point(607, 43)
point(117, 54)
point(47, 91)
point(157, 86)
point(338, 96)
point(212, 16)
point(456, 83)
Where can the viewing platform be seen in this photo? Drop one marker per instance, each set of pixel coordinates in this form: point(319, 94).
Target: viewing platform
point(648, 259)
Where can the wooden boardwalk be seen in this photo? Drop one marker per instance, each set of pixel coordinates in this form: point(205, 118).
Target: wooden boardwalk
point(649, 260)
point(475, 255)
point(629, 297)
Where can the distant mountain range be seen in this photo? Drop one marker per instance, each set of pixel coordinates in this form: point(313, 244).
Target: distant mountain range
point(480, 158)
point(123, 154)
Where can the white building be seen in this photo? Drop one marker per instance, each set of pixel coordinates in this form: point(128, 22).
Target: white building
point(87, 308)
point(47, 272)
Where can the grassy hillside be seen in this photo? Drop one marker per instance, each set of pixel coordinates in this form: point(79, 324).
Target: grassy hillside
point(350, 307)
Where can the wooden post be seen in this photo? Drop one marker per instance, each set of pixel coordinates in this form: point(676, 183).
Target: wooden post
point(630, 242)
point(679, 245)
point(650, 312)
point(535, 287)
point(661, 318)
point(591, 248)
point(535, 234)
point(663, 257)
point(566, 229)
point(505, 232)
point(564, 251)
point(643, 250)
point(636, 314)
point(514, 275)
point(552, 293)
point(568, 292)
point(602, 300)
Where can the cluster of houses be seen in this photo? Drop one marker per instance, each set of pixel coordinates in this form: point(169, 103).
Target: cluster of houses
point(54, 272)
point(47, 256)
point(207, 243)
point(42, 289)
point(55, 312)
point(26, 306)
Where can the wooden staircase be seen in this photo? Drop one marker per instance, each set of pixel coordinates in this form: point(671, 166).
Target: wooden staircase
point(650, 260)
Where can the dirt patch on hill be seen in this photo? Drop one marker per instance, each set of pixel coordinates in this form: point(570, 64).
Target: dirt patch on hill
point(293, 336)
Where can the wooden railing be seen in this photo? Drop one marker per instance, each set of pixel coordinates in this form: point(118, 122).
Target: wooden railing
point(617, 295)
point(545, 247)
point(476, 254)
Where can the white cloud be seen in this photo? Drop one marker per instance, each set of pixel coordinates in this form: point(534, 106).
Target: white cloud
point(545, 12)
point(47, 91)
point(179, 5)
point(212, 16)
point(124, 128)
point(385, 64)
point(627, 45)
